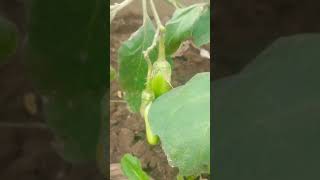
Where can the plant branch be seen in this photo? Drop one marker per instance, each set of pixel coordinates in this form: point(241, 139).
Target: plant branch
point(147, 52)
point(117, 7)
point(160, 29)
point(156, 16)
point(145, 11)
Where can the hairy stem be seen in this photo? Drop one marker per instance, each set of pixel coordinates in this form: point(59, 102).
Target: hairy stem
point(159, 32)
point(147, 51)
point(144, 11)
point(156, 16)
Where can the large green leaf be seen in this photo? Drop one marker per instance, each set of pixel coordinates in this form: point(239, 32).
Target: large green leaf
point(68, 62)
point(181, 118)
point(179, 28)
point(266, 119)
point(131, 167)
point(133, 66)
point(8, 39)
point(201, 30)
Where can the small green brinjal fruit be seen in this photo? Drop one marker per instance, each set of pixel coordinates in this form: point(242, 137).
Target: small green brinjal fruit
point(161, 77)
point(151, 138)
point(147, 97)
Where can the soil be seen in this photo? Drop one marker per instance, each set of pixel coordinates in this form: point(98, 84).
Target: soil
point(127, 132)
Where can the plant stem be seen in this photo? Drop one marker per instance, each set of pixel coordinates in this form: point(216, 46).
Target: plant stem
point(147, 58)
point(162, 52)
point(117, 7)
point(144, 10)
point(156, 16)
point(147, 51)
point(159, 33)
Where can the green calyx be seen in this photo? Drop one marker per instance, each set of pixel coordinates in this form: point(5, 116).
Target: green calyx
point(160, 85)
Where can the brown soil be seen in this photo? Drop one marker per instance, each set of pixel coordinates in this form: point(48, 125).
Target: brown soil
point(127, 129)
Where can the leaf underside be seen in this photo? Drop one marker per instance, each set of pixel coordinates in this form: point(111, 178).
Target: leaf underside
point(181, 118)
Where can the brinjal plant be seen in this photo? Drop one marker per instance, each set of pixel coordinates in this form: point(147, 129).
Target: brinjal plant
point(178, 118)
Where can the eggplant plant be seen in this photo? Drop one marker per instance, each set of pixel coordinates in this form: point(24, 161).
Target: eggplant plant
point(176, 117)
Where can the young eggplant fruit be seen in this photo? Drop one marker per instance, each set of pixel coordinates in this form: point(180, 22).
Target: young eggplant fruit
point(151, 138)
point(147, 97)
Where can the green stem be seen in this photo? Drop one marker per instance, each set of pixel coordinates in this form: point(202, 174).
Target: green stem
point(162, 52)
point(144, 10)
point(146, 53)
point(161, 55)
point(156, 16)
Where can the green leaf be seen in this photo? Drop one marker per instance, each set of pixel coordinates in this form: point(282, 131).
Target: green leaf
point(8, 39)
point(133, 66)
point(131, 167)
point(67, 59)
point(267, 117)
point(179, 28)
point(181, 118)
point(201, 30)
